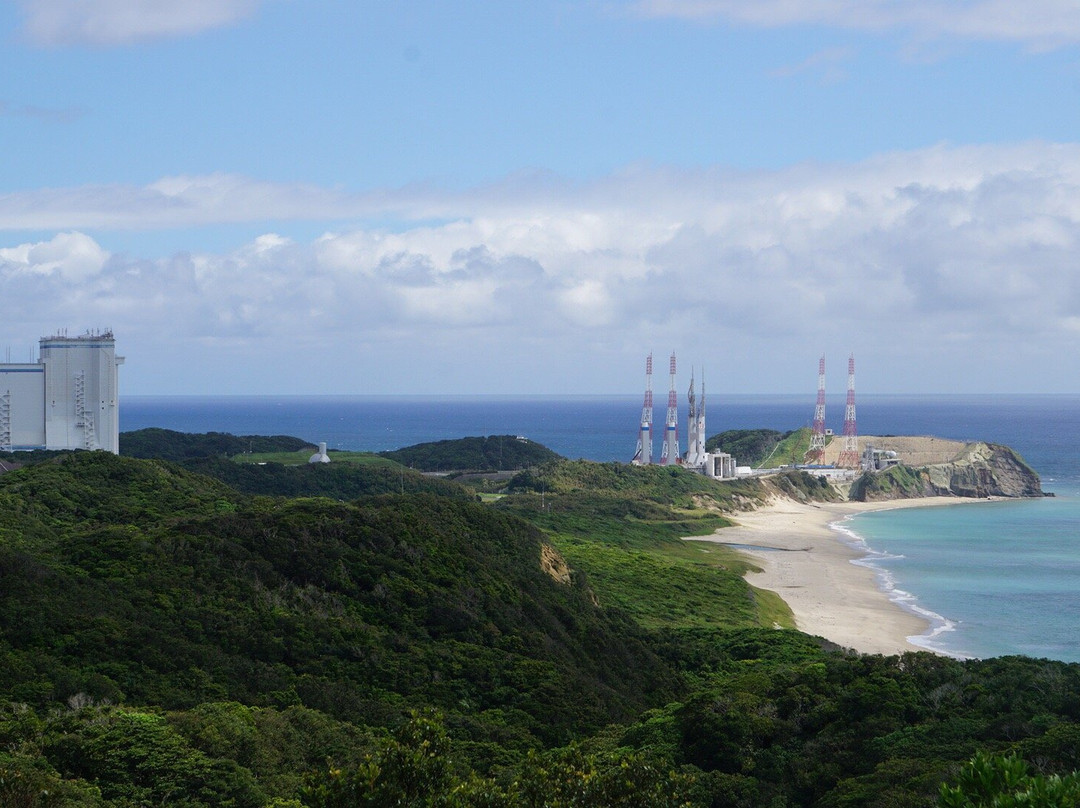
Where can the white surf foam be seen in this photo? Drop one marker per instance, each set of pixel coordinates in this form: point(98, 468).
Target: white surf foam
point(940, 626)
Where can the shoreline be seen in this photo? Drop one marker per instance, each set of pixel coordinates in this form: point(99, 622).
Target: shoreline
point(819, 569)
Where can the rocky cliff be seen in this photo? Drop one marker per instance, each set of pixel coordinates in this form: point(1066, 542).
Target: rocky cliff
point(980, 470)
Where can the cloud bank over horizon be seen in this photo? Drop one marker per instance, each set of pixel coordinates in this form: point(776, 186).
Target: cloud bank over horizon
point(961, 256)
point(105, 23)
point(1039, 24)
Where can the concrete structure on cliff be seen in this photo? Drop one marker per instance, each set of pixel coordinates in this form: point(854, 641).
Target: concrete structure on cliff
point(68, 399)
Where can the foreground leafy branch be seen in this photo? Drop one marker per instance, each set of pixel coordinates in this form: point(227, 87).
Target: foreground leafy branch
point(1002, 781)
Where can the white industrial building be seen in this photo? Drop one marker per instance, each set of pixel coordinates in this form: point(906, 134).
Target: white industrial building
point(68, 399)
point(718, 465)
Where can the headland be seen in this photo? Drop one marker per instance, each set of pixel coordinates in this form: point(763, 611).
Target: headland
point(807, 561)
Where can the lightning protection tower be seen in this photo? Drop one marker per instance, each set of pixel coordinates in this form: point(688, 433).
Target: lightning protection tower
point(670, 455)
point(815, 455)
point(643, 455)
point(849, 455)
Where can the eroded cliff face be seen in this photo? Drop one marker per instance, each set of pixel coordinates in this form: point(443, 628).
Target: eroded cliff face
point(981, 470)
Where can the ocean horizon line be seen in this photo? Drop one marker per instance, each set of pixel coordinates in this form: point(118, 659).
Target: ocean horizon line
point(986, 396)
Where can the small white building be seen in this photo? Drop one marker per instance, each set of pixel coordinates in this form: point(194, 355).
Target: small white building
point(68, 399)
point(719, 466)
point(878, 459)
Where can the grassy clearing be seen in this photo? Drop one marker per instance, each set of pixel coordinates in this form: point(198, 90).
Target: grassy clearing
point(686, 585)
point(303, 455)
point(616, 521)
point(623, 527)
point(791, 450)
point(771, 608)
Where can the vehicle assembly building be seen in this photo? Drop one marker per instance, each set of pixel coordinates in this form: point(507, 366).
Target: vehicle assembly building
point(68, 399)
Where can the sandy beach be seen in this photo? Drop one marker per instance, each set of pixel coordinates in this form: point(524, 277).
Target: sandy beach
point(809, 565)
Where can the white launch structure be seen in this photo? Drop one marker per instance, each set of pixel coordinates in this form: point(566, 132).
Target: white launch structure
point(670, 455)
point(643, 455)
point(718, 465)
point(68, 399)
point(695, 438)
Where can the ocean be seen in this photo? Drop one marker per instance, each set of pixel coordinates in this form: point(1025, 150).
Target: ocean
point(993, 578)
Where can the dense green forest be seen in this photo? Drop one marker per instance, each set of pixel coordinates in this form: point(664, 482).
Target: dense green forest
point(334, 480)
point(493, 453)
point(190, 635)
point(167, 444)
point(212, 454)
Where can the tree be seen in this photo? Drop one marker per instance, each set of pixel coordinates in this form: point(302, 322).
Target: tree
point(413, 768)
point(1002, 781)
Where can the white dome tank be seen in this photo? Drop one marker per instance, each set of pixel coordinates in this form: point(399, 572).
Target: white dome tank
point(320, 456)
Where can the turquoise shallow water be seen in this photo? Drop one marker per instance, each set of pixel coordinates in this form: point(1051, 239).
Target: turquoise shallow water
point(994, 578)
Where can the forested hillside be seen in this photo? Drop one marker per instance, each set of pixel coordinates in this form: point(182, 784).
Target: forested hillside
point(493, 453)
point(333, 480)
point(169, 639)
point(167, 444)
point(145, 583)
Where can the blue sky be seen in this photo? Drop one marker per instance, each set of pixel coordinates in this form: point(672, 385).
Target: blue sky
point(271, 196)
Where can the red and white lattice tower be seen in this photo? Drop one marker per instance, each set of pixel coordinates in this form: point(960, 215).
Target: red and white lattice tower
point(670, 455)
point(815, 455)
point(849, 455)
point(643, 455)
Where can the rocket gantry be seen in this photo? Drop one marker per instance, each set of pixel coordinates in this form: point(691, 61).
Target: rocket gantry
point(716, 464)
point(695, 433)
point(643, 455)
point(670, 454)
point(721, 465)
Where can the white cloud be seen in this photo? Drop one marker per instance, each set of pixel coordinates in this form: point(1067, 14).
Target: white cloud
point(119, 22)
point(72, 257)
point(587, 303)
point(184, 201)
point(827, 63)
point(1038, 23)
point(959, 265)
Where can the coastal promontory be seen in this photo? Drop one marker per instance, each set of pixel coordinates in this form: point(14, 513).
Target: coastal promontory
point(933, 467)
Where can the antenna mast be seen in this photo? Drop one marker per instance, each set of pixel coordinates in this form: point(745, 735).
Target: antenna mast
point(670, 455)
point(643, 455)
point(849, 455)
point(815, 455)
